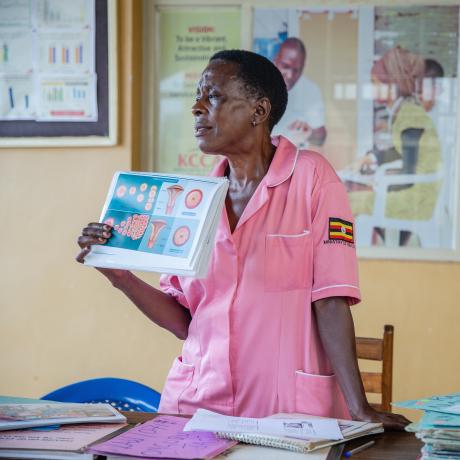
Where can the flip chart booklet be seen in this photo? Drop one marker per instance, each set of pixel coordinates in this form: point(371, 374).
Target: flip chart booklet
point(161, 223)
point(447, 404)
point(69, 441)
point(17, 416)
point(163, 437)
point(439, 428)
point(296, 432)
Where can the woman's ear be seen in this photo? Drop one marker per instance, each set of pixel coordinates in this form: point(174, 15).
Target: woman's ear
point(262, 110)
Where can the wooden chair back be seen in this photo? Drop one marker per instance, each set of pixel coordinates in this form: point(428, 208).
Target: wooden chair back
point(378, 350)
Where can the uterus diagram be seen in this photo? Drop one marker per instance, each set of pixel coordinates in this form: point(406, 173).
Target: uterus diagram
point(173, 193)
point(156, 226)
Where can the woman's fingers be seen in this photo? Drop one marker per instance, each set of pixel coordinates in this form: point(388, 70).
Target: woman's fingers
point(390, 421)
point(84, 241)
point(97, 230)
point(82, 254)
point(394, 422)
point(93, 233)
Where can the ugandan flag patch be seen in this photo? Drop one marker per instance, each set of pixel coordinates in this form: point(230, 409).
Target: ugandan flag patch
point(340, 230)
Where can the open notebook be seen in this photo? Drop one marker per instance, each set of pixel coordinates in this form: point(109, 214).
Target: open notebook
point(349, 429)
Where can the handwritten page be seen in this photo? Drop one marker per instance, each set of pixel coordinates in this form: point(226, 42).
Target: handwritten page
point(163, 437)
point(67, 438)
point(306, 428)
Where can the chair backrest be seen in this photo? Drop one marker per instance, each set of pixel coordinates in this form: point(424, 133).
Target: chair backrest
point(378, 350)
point(123, 394)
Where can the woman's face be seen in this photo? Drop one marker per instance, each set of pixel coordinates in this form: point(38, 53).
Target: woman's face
point(223, 113)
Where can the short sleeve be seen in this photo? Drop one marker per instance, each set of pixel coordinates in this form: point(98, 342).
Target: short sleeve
point(170, 284)
point(335, 266)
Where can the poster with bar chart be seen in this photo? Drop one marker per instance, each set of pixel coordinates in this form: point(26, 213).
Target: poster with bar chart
point(47, 60)
point(67, 99)
point(17, 97)
point(64, 14)
point(16, 51)
point(62, 52)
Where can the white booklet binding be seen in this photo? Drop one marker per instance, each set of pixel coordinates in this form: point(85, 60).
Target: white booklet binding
point(294, 432)
point(161, 222)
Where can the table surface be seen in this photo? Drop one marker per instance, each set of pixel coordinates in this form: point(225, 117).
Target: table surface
point(398, 445)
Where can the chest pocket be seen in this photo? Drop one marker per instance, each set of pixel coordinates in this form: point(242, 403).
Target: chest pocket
point(288, 262)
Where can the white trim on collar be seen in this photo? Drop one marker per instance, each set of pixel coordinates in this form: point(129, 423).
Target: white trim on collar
point(291, 172)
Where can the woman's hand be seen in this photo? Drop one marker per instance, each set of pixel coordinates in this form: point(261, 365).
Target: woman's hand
point(98, 233)
point(94, 233)
point(364, 164)
point(368, 164)
point(391, 422)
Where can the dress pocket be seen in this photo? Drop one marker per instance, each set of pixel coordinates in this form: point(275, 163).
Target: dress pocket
point(319, 395)
point(288, 262)
point(179, 380)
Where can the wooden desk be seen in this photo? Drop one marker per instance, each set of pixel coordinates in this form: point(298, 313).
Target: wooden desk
point(398, 445)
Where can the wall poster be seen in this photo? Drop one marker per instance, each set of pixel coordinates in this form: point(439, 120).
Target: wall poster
point(188, 38)
point(47, 63)
point(58, 73)
point(375, 90)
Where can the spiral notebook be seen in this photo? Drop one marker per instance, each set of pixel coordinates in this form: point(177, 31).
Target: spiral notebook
point(350, 430)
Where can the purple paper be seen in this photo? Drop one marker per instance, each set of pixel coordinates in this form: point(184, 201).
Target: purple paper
point(163, 437)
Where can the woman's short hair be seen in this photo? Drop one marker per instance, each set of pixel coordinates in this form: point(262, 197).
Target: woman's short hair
point(260, 78)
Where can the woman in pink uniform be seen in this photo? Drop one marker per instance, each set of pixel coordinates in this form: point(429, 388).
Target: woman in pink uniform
point(269, 329)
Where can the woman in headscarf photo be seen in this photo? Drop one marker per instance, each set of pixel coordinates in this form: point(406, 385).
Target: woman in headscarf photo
point(398, 76)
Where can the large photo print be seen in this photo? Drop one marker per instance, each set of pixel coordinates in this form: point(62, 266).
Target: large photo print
point(375, 91)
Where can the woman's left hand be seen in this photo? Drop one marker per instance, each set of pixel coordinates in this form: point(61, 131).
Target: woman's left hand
point(390, 421)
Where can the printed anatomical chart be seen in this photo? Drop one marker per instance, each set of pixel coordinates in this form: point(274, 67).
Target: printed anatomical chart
point(161, 223)
point(156, 214)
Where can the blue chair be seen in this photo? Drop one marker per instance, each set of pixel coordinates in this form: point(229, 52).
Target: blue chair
point(122, 394)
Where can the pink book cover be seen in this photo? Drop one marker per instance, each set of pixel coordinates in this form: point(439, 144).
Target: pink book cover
point(163, 437)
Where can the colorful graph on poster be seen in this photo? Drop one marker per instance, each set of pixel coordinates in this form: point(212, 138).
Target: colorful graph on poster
point(56, 13)
point(43, 40)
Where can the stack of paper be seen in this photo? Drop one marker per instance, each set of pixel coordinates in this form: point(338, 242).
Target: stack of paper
point(161, 223)
point(17, 416)
point(439, 427)
point(67, 442)
point(296, 432)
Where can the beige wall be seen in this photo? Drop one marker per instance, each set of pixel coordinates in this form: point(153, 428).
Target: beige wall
point(61, 322)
